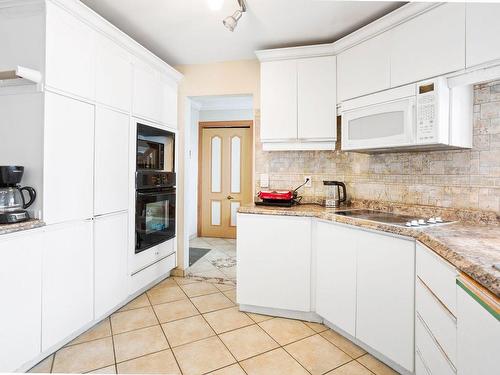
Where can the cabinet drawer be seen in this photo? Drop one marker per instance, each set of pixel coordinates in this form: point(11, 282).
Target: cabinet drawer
point(145, 277)
point(432, 356)
point(420, 368)
point(438, 275)
point(438, 319)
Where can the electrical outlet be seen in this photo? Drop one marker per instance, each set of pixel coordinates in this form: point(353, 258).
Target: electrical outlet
point(309, 181)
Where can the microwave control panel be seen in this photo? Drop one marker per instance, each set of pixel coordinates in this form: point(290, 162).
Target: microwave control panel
point(427, 113)
point(433, 111)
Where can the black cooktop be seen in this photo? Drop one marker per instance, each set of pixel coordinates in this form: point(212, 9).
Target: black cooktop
point(385, 217)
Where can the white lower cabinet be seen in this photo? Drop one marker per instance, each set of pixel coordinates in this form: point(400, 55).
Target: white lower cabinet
point(274, 262)
point(336, 275)
point(110, 260)
point(478, 332)
point(67, 281)
point(385, 295)
point(20, 288)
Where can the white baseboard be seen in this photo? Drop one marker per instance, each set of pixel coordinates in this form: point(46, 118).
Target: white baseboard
point(308, 316)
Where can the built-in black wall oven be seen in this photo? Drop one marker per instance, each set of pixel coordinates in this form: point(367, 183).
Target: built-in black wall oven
point(155, 187)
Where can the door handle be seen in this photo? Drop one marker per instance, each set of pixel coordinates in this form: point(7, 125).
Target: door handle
point(229, 197)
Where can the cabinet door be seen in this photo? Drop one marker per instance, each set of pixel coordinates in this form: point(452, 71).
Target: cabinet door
point(316, 96)
point(20, 287)
point(67, 281)
point(113, 75)
point(336, 275)
point(478, 333)
point(364, 68)
point(169, 103)
point(147, 93)
point(278, 100)
point(483, 29)
point(385, 296)
point(111, 161)
point(70, 53)
point(68, 159)
point(429, 45)
point(110, 252)
point(274, 262)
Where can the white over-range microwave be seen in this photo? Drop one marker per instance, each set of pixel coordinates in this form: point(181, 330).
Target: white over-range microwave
point(421, 116)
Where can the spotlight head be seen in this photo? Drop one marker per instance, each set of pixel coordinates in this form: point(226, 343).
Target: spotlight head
point(232, 21)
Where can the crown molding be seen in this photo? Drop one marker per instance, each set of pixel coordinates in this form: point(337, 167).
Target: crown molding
point(383, 24)
point(316, 50)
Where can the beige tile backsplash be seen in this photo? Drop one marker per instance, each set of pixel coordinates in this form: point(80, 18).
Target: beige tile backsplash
point(459, 179)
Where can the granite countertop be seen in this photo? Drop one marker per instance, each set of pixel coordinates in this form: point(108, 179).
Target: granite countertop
point(473, 248)
point(17, 227)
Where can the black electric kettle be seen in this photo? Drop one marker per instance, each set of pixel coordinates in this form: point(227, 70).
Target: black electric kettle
point(336, 193)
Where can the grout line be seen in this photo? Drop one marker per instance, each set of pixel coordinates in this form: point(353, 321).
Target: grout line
point(113, 342)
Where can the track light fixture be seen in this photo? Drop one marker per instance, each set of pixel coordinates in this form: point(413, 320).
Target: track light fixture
point(232, 21)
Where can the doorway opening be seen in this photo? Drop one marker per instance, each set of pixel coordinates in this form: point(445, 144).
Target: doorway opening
point(219, 180)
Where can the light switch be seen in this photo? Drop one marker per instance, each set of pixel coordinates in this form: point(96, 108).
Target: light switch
point(264, 180)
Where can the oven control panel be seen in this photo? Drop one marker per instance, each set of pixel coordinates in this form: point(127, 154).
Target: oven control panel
point(152, 180)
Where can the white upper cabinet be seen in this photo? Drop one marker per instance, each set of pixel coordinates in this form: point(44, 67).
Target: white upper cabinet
point(68, 159)
point(483, 33)
point(70, 53)
point(278, 84)
point(113, 74)
point(111, 161)
point(316, 97)
point(169, 103)
point(336, 275)
point(147, 94)
point(67, 281)
point(364, 68)
point(428, 45)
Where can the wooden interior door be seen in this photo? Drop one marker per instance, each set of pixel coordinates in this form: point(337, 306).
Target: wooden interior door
point(226, 176)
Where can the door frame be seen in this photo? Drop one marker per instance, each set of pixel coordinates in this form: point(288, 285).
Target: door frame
point(218, 124)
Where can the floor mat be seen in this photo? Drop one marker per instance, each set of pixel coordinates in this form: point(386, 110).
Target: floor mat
point(195, 253)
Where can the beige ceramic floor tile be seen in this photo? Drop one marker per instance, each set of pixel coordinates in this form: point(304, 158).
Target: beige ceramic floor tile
point(203, 356)
point(211, 302)
point(167, 312)
point(224, 287)
point(184, 280)
point(257, 318)
point(228, 319)
point(248, 341)
point(169, 281)
point(375, 366)
point(180, 332)
point(213, 275)
point(199, 289)
point(137, 343)
point(105, 370)
point(231, 294)
point(165, 294)
point(99, 331)
point(344, 344)
point(229, 370)
point(286, 331)
point(351, 368)
point(276, 362)
point(156, 363)
point(316, 327)
point(84, 357)
point(133, 319)
point(317, 354)
point(141, 301)
point(44, 366)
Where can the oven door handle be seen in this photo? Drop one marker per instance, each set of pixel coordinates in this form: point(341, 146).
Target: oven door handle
point(156, 193)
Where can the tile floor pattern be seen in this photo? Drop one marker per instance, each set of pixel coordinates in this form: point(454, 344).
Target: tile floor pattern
point(219, 264)
point(184, 326)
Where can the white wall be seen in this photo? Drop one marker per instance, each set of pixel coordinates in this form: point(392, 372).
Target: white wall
point(226, 115)
point(192, 171)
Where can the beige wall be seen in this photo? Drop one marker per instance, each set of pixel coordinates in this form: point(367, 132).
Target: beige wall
point(225, 78)
point(459, 179)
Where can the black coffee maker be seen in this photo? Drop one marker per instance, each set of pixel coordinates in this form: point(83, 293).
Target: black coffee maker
point(13, 203)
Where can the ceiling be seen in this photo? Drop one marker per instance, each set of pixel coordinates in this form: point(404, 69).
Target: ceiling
point(189, 32)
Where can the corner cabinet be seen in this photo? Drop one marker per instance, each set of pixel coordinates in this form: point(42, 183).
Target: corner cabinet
point(298, 100)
